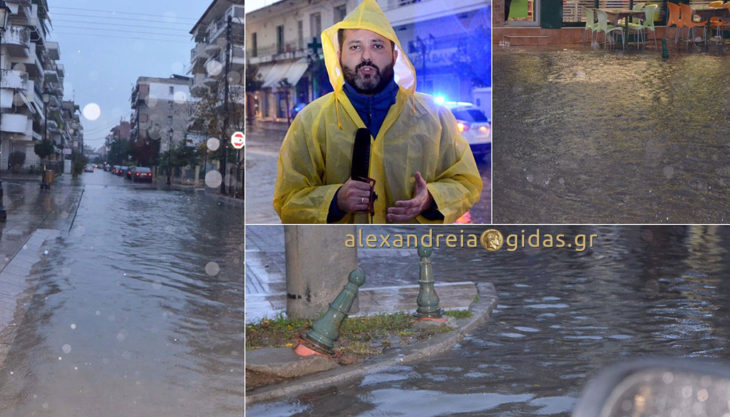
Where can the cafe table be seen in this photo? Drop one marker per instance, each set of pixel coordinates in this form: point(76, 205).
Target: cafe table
point(614, 15)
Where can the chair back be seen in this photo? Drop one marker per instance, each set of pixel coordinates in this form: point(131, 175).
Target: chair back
point(602, 24)
point(674, 15)
point(649, 12)
point(686, 14)
point(590, 20)
point(716, 4)
point(637, 7)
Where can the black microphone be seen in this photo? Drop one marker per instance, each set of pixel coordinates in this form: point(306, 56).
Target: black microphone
point(361, 155)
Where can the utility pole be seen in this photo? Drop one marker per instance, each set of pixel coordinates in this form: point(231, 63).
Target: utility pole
point(224, 134)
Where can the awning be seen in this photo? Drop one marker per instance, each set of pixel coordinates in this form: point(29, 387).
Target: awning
point(272, 75)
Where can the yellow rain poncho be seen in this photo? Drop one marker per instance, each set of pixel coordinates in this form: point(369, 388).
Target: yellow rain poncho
point(417, 135)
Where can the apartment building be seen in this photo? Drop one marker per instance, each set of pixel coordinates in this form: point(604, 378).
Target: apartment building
point(219, 31)
point(31, 83)
point(445, 41)
point(161, 110)
point(218, 70)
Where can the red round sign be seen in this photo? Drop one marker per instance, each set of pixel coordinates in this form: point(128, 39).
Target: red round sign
point(238, 140)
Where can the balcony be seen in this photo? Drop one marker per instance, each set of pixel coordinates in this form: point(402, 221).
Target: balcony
point(61, 71)
point(23, 10)
point(238, 58)
point(198, 56)
point(52, 50)
point(17, 41)
point(12, 79)
point(16, 123)
point(50, 76)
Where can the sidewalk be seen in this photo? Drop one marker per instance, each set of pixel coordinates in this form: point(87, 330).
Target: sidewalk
point(34, 217)
point(391, 286)
point(262, 154)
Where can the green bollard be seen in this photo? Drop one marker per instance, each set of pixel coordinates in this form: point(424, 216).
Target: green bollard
point(325, 331)
point(428, 300)
point(665, 52)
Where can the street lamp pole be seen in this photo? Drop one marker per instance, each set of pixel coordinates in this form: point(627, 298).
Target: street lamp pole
point(224, 136)
point(46, 98)
point(169, 155)
point(4, 14)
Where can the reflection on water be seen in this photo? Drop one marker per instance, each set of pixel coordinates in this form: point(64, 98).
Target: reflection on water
point(605, 137)
point(562, 316)
point(125, 320)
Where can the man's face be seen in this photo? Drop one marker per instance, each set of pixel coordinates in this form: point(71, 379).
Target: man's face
point(367, 60)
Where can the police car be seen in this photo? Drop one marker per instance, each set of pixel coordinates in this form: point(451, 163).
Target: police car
point(474, 126)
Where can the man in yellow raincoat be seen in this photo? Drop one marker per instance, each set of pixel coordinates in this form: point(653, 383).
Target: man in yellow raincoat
point(423, 168)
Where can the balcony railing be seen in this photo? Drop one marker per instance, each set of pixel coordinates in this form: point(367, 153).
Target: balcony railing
point(16, 123)
point(12, 79)
point(17, 35)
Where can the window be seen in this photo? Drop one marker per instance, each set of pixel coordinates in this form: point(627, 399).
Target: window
point(315, 24)
point(169, 120)
point(280, 39)
point(172, 89)
point(169, 104)
point(339, 13)
point(300, 34)
point(254, 44)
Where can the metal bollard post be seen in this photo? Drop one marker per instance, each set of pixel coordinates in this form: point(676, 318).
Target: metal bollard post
point(428, 300)
point(665, 52)
point(325, 331)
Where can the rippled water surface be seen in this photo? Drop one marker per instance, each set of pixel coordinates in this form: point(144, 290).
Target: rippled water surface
point(137, 311)
point(563, 315)
point(585, 136)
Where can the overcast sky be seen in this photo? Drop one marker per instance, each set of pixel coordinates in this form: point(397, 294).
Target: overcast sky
point(106, 45)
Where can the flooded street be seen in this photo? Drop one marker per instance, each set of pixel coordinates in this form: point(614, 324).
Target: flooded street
point(562, 316)
point(137, 310)
point(611, 137)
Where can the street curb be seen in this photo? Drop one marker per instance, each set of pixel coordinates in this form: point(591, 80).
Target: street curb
point(16, 288)
point(481, 311)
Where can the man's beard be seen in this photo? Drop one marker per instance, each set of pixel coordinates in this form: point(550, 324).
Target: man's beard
point(373, 84)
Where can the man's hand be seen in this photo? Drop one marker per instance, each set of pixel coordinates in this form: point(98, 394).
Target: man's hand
point(405, 210)
point(353, 196)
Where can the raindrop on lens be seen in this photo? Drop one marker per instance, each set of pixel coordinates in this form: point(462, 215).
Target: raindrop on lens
point(212, 269)
point(214, 68)
point(66, 348)
point(213, 144)
point(73, 326)
point(91, 111)
point(213, 179)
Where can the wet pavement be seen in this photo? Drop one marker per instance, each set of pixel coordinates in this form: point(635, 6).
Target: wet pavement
point(136, 310)
point(611, 137)
point(563, 315)
point(262, 154)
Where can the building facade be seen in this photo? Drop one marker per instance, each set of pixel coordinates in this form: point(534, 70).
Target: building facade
point(31, 85)
point(448, 44)
point(161, 108)
point(219, 50)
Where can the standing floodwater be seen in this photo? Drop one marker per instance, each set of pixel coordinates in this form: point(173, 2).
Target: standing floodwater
point(602, 137)
point(562, 315)
point(137, 311)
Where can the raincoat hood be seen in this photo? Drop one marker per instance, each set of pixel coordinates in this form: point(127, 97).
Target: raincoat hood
point(367, 15)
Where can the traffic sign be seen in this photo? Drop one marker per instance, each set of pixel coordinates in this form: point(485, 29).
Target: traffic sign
point(238, 140)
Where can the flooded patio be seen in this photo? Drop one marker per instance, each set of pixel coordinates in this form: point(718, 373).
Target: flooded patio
point(596, 136)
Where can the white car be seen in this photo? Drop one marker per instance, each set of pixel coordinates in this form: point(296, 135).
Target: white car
point(474, 126)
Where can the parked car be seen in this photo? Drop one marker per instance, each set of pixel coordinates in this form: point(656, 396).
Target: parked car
point(114, 169)
point(142, 174)
point(128, 172)
point(89, 168)
point(474, 126)
point(122, 170)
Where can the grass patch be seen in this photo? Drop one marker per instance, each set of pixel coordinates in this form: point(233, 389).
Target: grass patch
point(458, 314)
point(362, 336)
